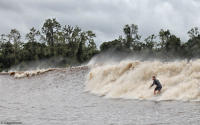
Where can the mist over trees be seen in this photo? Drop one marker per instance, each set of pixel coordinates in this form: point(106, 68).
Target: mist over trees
point(76, 46)
point(165, 44)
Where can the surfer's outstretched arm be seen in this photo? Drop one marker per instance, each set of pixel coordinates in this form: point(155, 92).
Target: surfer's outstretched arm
point(151, 85)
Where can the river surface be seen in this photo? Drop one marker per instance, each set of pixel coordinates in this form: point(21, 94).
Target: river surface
point(58, 98)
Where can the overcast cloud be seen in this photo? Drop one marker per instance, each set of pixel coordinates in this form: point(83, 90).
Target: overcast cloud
point(105, 17)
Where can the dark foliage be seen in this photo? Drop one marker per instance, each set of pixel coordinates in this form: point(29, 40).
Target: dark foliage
point(71, 43)
point(52, 41)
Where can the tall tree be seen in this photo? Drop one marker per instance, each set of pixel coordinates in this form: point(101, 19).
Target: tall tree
point(3, 38)
point(72, 37)
point(150, 42)
point(164, 37)
point(173, 44)
point(50, 28)
point(194, 32)
point(14, 37)
point(131, 36)
point(192, 47)
point(33, 35)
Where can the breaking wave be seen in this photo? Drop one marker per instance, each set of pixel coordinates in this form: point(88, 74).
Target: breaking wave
point(30, 73)
point(131, 80)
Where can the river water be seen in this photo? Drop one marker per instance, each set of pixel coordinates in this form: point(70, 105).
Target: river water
point(58, 98)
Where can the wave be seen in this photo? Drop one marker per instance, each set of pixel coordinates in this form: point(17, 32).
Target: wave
point(30, 73)
point(131, 80)
point(22, 74)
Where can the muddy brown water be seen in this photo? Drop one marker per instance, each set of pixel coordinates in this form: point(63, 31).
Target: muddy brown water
point(58, 98)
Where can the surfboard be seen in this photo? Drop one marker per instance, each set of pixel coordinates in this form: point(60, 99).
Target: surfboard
point(156, 97)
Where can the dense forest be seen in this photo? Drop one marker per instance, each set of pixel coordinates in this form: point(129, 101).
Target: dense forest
point(76, 46)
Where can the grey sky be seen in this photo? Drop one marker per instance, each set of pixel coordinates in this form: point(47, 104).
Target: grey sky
point(105, 17)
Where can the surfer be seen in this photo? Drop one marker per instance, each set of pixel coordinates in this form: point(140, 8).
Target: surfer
point(158, 85)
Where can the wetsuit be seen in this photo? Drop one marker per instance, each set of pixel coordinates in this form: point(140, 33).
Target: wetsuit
point(158, 85)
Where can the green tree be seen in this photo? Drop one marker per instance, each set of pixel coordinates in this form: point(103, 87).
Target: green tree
point(173, 44)
point(33, 35)
point(194, 33)
point(72, 37)
point(7, 57)
point(91, 48)
point(50, 28)
point(192, 46)
point(115, 44)
point(150, 42)
point(164, 37)
point(15, 37)
point(131, 36)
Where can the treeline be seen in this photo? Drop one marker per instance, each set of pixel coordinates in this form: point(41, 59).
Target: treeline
point(53, 40)
point(76, 46)
point(165, 44)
